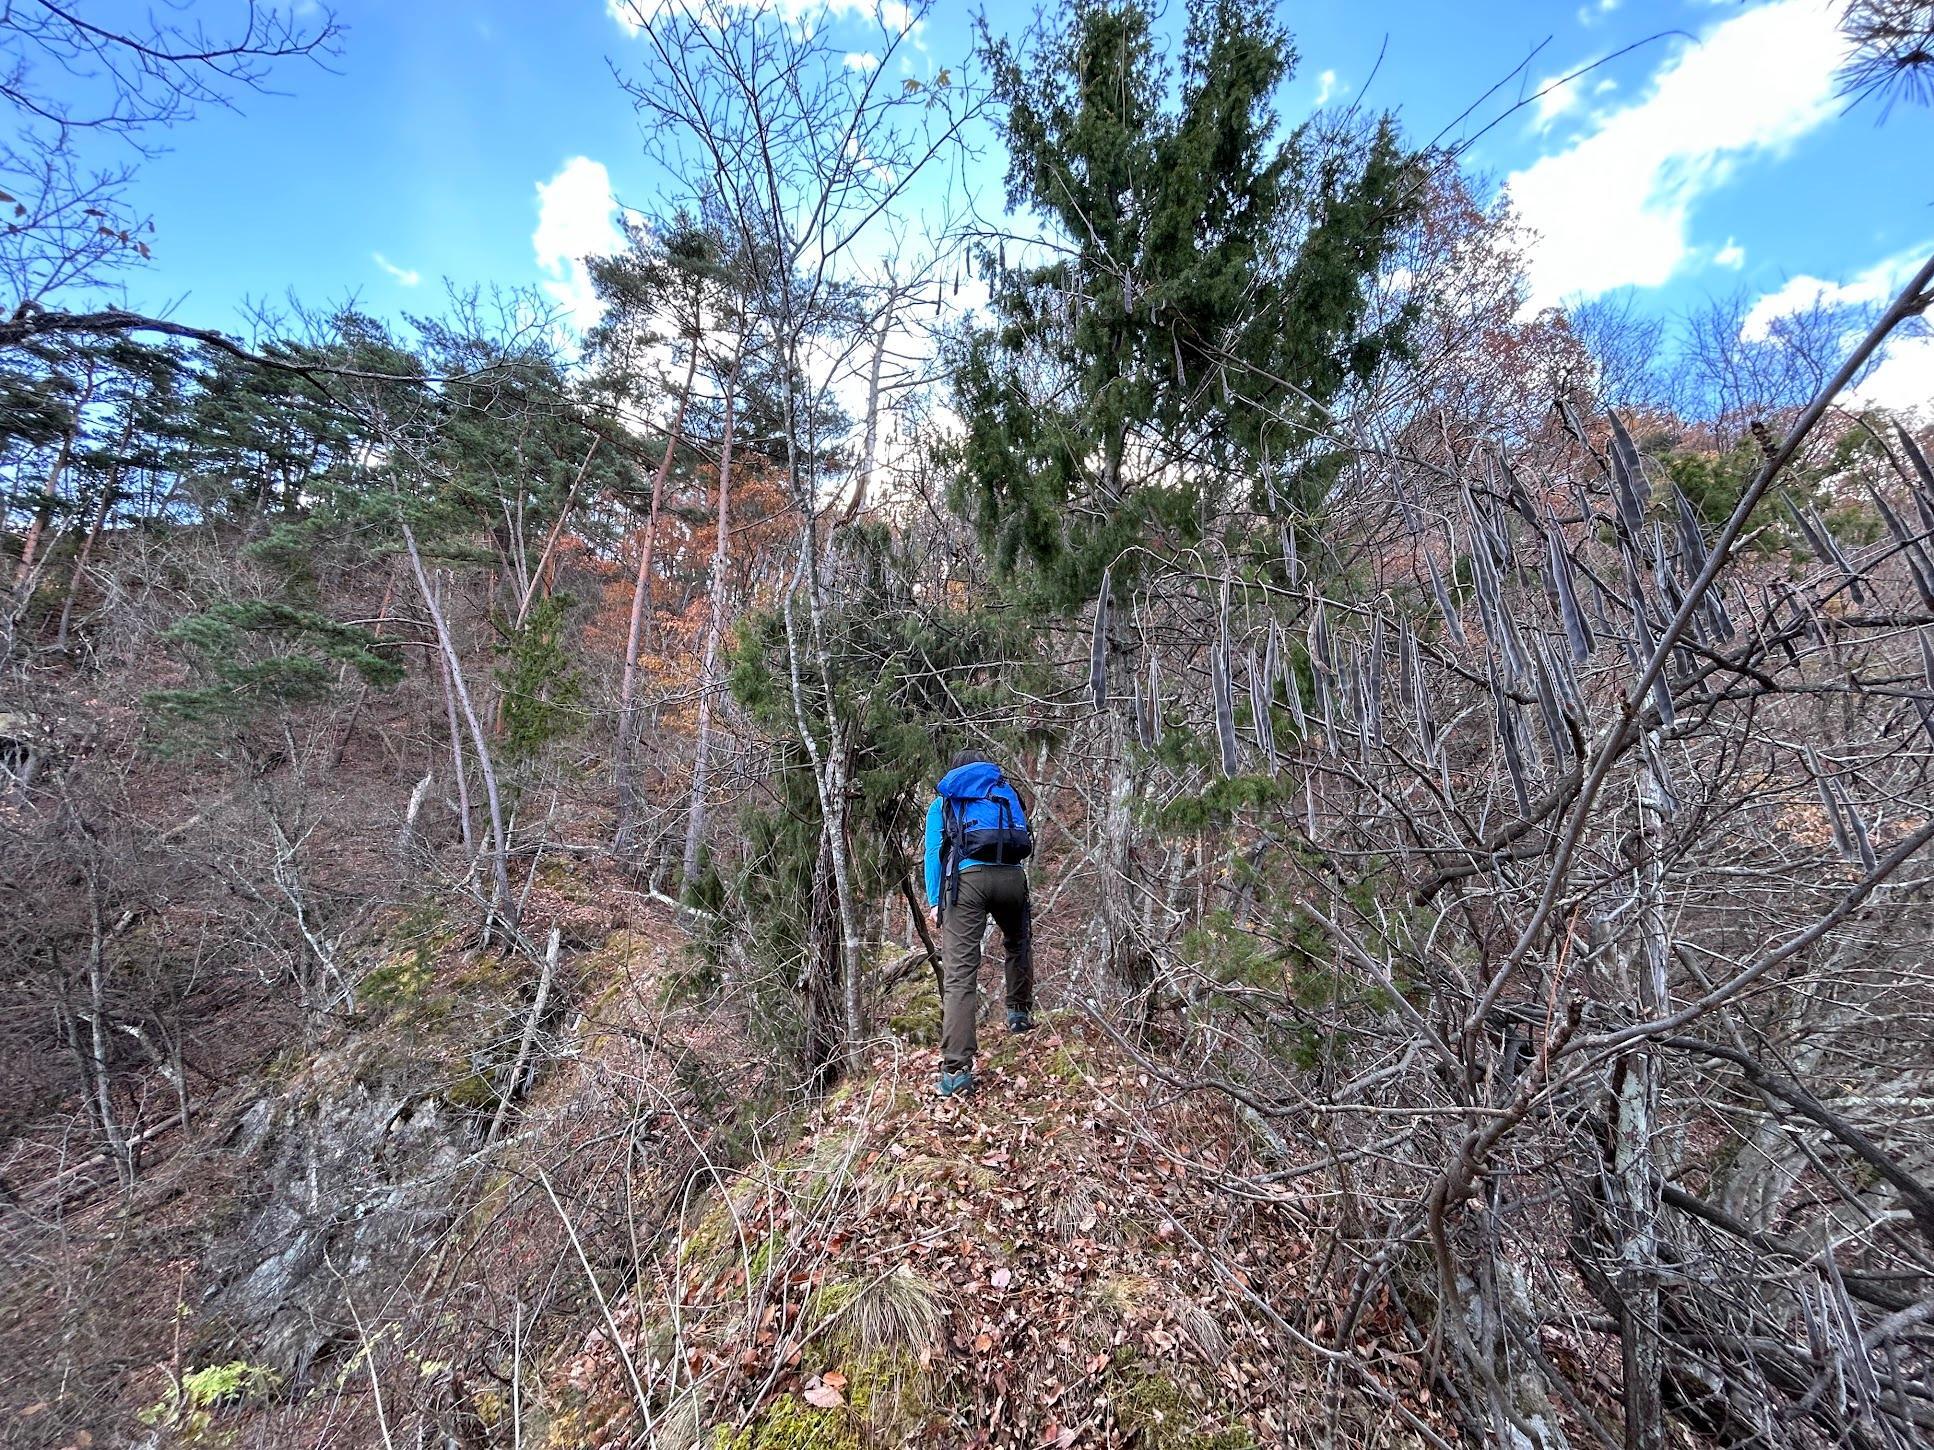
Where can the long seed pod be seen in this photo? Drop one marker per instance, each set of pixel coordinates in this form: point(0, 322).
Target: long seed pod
point(1271, 660)
point(1820, 540)
point(1319, 642)
point(1514, 648)
point(1925, 703)
point(1917, 562)
point(1924, 494)
point(1587, 517)
point(1514, 491)
point(1838, 558)
point(1355, 704)
point(1808, 618)
point(1661, 774)
point(1322, 672)
point(1578, 634)
point(1154, 700)
point(1500, 530)
point(1571, 700)
point(1628, 478)
point(1862, 843)
point(1780, 633)
point(1506, 720)
point(1402, 495)
point(1641, 644)
point(1813, 540)
point(1373, 698)
point(1259, 708)
point(1225, 708)
point(1548, 710)
point(1490, 603)
point(1722, 622)
point(1293, 694)
point(1576, 426)
point(1830, 803)
point(1692, 542)
point(1452, 624)
point(1098, 646)
point(1597, 597)
point(1661, 562)
point(1412, 659)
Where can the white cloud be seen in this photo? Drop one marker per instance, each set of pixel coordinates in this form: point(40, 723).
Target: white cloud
point(803, 16)
point(1904, 381)
point(1878, 283)
point(404, 276)
point(1554, 97)
point(576, 218)
point(1731, 255)
point(1593, 13)
point(868, 163)
point(1326, 87)
point(1613, 208)
point(862, 60)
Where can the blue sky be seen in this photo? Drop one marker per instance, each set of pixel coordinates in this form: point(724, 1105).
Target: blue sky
point(482, 142)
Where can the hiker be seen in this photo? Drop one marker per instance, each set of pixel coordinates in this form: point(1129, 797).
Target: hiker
point(977, 837)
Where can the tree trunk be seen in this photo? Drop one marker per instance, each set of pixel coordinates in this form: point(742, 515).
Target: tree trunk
point(623, 778)
point(1635, 1177)
point(100, 1052)
point(502, 906)
point(829, 778)
point(543, 578)
point(44, 515)
point(1124, 955)
point(86, 552)
point(456, 756)
point(26, 578)
point(870, 448)
point(714, 627)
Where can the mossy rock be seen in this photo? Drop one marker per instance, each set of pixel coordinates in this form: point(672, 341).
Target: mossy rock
point(766, 1257)
point(1156, 1410)
point(789, 1423)
point(1064, 1065)
point(398, 982)
point(473, 1093)
point(913, 1012)
point(883, 1402)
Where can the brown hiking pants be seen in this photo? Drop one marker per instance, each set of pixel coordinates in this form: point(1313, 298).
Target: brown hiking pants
point(999, 892)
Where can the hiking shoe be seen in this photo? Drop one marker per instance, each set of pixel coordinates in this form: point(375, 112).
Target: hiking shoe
point(954, 1083)
point(1019, 1021)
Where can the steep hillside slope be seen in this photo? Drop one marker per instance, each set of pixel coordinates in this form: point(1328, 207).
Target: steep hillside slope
point(1047, 1262)
point(519, 1199)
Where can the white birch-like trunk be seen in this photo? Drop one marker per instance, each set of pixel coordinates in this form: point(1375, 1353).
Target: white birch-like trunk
point(457, 767)
point(624, 780)
point(714, 628)
point(502, 906)
point(1635, 1170)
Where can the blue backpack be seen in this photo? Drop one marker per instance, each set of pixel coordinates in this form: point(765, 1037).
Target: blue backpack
point(982, 820)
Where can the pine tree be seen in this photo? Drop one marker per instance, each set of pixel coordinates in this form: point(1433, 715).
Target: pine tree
point(1204, 306)
point(1167, 374)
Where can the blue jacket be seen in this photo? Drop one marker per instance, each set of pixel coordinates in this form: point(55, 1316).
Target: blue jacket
point(935, 830)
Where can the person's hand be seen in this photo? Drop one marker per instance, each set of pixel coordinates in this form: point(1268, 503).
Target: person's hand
point(933, 917)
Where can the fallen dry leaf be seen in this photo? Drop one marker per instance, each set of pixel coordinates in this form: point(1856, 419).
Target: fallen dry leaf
point(823, 1396)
